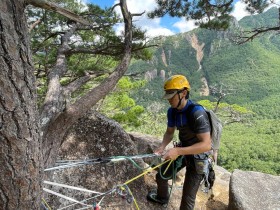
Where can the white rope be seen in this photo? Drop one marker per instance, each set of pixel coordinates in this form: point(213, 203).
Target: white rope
point(112, 191)
point(71, 187)
point(64, 166)
point(83, 208)
point(63, 196)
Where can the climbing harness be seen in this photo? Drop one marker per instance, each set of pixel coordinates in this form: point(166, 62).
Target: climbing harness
point(204, 165)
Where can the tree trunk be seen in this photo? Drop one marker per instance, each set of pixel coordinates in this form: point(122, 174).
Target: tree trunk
point(58, 125)
point(20, 155)
point(26, 146)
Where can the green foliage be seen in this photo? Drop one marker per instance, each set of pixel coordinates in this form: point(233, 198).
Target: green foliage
point(254, 147)
point(240, 109)
point(207, 104)
point(267, 19)
point(229, 65)
point(120, 106)
point(126, 84)
point(130, 118)
point(212, 15)
point(90, 51)
point(196, 10)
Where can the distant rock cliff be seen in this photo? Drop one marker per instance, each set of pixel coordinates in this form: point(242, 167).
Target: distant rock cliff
point(163, 58)
point(198, 47)
point(150, 75)
point(193, 40)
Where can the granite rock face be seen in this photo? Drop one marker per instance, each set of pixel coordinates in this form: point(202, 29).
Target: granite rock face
point(254, 190)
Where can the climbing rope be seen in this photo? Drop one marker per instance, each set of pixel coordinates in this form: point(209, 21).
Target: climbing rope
point(120, 190)
point(145, 172)
point(62, 164)
point(45, 204)
point(177, 163)
point(71, 187)
point(63, 196)
point(91, 198)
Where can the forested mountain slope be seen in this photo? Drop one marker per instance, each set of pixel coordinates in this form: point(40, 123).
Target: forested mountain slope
point(248, 74)
point(251, 70)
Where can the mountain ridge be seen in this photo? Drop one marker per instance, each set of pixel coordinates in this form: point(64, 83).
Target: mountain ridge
point(245, 76)
point(209, 57)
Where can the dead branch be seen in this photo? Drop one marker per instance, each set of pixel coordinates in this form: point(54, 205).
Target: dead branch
point(34, 24)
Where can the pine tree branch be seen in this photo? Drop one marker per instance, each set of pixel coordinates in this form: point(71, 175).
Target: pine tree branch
point(53, 7)
point(254, 33)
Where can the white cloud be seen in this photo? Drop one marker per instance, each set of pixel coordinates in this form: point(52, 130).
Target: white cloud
point(185, 25)
point(136, 6)
point(159, 26)
point(152, 26)
point(159, 31)
point(239, 10)
point(276, 3)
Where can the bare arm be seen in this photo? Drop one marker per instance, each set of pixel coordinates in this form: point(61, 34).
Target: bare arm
point(203, 145)
point(167, 137)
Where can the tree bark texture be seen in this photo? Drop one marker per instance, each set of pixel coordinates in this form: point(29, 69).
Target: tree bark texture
point(26, 143)
point(20, 156)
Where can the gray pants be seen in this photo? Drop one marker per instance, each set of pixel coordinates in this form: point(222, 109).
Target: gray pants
point(191, 183)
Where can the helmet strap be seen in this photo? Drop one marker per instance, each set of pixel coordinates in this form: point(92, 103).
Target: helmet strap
point(180, 99)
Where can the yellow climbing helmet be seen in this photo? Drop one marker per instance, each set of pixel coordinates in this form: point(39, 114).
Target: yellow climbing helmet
point(174, 83)
point(177, 82)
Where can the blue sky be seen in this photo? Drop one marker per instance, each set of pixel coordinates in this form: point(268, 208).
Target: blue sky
point(161, 26)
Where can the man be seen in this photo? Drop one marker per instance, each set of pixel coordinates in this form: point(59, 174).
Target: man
point(195, 141)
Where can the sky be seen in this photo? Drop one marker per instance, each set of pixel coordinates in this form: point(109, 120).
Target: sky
point(161, 26)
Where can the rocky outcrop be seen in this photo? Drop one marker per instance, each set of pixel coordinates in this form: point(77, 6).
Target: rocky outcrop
point(162, 74)
point(163, 57)
point(254, 190)
point(204, 90)
point(198, 47)
point(95, 136)
point(150, 75)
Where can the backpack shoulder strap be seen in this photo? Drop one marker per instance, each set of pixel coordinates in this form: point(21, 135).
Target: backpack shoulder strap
point(189, 113)
point(190, 109)
point(190, 116)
